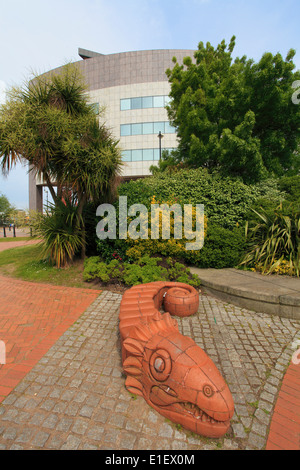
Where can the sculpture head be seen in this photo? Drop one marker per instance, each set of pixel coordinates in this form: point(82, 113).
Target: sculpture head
point(177, 378)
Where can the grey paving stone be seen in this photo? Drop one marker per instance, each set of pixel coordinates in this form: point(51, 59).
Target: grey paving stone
point(80, 426)
point(95, 433)
point(256, 442)
point(75, 397)
point(72, 443)
point(40, 439)
point(9, 433)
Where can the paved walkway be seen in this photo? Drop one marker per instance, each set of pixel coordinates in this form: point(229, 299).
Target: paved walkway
point(74, 396)
point(275, 295)
point(9, 244)
point(32, 318)
point(19, 232)
point(285, 426)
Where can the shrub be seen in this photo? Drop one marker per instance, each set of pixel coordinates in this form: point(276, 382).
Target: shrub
point(60, 230)
point(112, 249)
point(227, 203)
point(226, 200)
point(223, 248)
point(273, 240)
point(291, 186)
point(131, 249)
point(145, 269)
point(179, 273)
point(94, 268)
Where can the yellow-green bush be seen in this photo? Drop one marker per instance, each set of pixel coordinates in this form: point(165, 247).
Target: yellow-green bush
point(145, 269)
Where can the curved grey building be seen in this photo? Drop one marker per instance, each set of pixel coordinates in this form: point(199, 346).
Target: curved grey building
point(134, 89)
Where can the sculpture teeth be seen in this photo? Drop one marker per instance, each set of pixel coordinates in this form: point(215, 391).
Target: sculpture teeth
point(198, 413)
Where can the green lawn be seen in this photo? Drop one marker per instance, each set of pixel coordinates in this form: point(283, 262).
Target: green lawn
point(26, 263)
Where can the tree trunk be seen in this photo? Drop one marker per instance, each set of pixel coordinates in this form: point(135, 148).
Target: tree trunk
point(50, 186)
point(59, 191)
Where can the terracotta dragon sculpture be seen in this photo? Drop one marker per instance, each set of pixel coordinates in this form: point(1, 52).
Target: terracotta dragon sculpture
point(173, 374)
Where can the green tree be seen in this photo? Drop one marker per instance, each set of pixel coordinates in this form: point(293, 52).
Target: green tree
point(6, 209)
point(50, 124)
point(236, 116)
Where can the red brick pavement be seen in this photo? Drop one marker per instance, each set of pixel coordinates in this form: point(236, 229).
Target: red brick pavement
point(285, 425)
point(32, 318)
point(9, 244)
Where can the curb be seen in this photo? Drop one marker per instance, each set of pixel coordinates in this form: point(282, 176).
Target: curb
point(269, 294)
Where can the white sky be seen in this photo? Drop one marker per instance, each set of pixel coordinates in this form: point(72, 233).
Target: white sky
point(38, 35)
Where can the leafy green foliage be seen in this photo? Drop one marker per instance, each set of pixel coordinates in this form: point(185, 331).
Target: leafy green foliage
point(236, 116)
point(291, 186)
point(223, 248)
point(6, 209)
point(112, 249)
point(227, 204)
point(61, 233)
point(226, 200)
point(179, 273)
point(143, 270)
point(50, 125)
point(94, 268)
point(272, 239)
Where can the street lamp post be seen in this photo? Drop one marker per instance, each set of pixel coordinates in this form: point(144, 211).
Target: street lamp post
point(160, 136)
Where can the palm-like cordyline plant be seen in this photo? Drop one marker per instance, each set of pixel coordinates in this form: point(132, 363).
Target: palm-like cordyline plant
point(39, 118)
point(51, 126)
point(61, 239)
point(273, 239)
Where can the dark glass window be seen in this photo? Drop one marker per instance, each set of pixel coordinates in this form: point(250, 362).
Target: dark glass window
point(136, 103)
point(147, 102)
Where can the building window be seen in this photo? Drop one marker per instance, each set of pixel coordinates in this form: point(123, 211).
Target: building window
point(141, 155)
point(146, 128)
point(136, 155)
point(144, 102)
point(137, 129)
point(125, 130)
point(125, 104)
point(126, 156)
point(158, 101)
point(147, 102)
point(160, 127)
point(148, 154)
point(95, 107)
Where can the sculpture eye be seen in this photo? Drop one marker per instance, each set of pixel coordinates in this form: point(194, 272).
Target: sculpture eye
point(160, 365)
point(208, 391)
